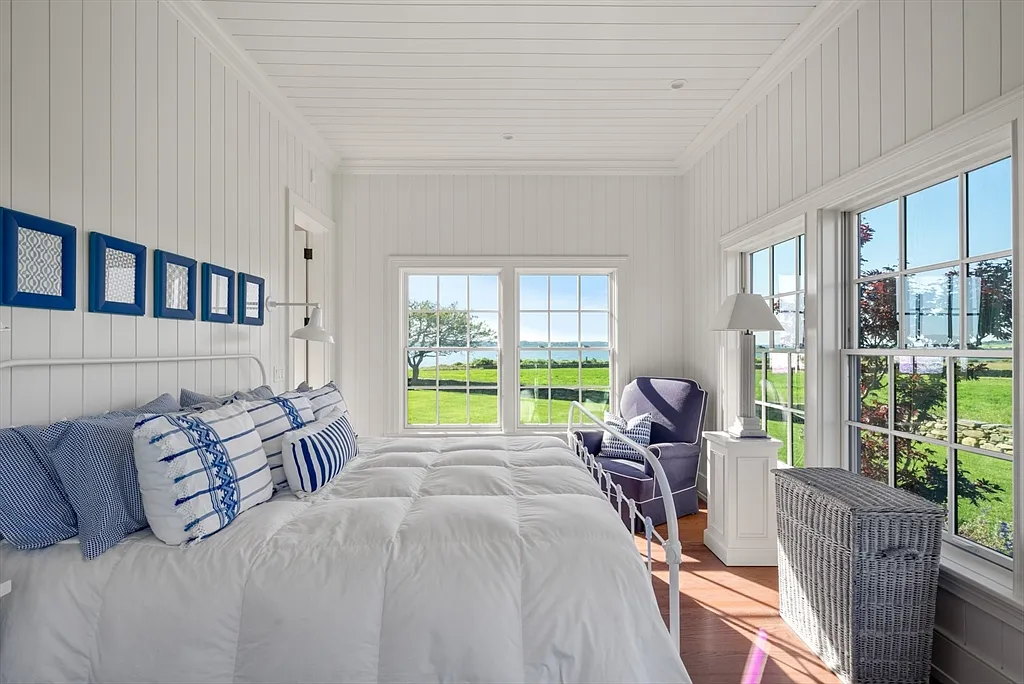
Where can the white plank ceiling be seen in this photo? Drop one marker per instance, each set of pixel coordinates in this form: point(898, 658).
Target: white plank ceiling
point(576, 83)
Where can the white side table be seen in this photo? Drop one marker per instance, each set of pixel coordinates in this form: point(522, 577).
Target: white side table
point(741, 499)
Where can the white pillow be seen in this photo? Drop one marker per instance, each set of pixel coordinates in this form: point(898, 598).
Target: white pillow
point(315, 455)
point(199, 471)
point(273, 419)
point(323, 399)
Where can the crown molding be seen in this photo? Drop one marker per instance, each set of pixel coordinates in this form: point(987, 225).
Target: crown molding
point(554, 167)
point(208, 29)
point(825, 18)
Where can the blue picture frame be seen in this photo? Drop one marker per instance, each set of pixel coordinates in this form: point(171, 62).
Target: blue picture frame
point(161, 309)
point(11, 224)
point(99, 245)
point(244, 280)
point(209, 271)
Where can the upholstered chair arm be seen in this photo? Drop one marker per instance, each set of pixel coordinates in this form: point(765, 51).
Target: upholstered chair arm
point(591, 440)
point(680, 461)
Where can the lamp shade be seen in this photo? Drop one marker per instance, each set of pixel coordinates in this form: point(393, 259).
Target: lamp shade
point(745, 311)
point(314, 330)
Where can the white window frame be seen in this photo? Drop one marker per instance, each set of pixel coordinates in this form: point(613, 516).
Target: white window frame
point(508, 270)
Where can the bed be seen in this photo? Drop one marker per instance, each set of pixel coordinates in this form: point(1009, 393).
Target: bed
point(430, 559)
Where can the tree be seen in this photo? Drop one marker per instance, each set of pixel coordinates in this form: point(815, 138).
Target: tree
point(451, 326)
point(918, 396)
point(994, 282)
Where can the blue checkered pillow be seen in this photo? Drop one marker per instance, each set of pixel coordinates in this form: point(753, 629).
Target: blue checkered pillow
point(273, 418)
point(314, 455)
point(199, 471)
point(190, 398)
point(34, 513)
point(637, 429)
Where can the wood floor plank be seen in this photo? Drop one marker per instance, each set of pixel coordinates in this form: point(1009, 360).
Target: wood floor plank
point(721, 610)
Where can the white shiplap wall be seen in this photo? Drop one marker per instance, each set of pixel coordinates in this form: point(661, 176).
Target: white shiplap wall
point(453, 215)
point(115, 118)
point(893, 71)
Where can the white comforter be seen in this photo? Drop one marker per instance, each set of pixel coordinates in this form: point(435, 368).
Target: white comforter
point(470, 560)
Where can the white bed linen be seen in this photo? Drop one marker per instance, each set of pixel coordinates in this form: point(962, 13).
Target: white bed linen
point(485, 560)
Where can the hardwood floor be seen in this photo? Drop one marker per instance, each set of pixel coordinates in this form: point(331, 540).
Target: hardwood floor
point(721, 610)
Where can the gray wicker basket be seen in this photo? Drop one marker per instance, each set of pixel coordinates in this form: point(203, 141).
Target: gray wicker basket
point(858, 573)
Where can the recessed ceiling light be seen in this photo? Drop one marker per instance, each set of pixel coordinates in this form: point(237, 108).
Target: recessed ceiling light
point(508, 136)
point(677, 84)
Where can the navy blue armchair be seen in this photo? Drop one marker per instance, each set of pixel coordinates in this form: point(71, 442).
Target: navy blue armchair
point(677, 407)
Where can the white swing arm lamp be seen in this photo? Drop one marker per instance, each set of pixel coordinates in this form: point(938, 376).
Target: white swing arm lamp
point(314, 330)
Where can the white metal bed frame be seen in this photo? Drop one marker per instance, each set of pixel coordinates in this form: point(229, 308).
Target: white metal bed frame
point(613, 492)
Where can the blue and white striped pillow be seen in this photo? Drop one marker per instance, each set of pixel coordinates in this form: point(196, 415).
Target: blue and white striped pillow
point(323, 399)
point(273, 418)
point(314, 455)
point(199, 471)
point(637, 429)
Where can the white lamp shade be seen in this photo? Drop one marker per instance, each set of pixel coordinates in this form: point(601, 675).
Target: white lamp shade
point(314, 330)
point(745, 311)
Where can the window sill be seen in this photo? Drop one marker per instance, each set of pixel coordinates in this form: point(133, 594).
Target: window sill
point(984, 584)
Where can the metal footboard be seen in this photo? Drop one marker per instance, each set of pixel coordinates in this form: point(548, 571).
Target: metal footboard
point(673, 549)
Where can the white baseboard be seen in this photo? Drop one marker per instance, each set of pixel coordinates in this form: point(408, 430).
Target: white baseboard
point(740, 556)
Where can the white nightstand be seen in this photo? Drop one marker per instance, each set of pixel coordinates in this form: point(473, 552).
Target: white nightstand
point(5, 588)
point(741, 499)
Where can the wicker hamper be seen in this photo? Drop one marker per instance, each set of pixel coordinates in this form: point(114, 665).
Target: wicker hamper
point(858, 573)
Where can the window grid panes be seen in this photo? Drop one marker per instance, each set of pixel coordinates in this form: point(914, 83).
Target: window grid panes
point(931, 352)
point(777, 273)
point(452, 343)
point(564, 352)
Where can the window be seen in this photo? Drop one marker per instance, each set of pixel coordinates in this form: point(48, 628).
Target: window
point(564, 345)
point(452, 349)
point(501, 344)
point(930, 352)
point(777, 273)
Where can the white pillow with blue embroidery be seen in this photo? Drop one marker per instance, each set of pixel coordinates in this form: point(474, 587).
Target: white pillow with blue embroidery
point(199, 471)
point(274, 418)
point(637, 429)
point(316, 454)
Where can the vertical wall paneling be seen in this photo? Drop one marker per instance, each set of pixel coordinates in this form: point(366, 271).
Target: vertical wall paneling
point(892, 74)
point(830, 117)
point(981, 52)
point(869, 80)
point(785, 140)
point(815, 155)
point(849, 96)
point(918, 50)
point(1011, 22)
point(772, 130)
point(947, 60)
point(119, 120)
point(798, 130)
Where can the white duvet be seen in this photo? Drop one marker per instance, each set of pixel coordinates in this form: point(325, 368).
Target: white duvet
point(457, 560)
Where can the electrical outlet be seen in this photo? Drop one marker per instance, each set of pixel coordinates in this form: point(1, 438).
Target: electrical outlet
point(279, 375)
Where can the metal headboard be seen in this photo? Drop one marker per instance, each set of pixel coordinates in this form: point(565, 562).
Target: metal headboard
point(43, 363)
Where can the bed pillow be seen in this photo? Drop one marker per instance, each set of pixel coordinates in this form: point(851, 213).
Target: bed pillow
point(637, 429)
point(323, 399)
point(316, 454)
point(273, 418)
point(199, 471)
point(190, 398)
point(34, 513)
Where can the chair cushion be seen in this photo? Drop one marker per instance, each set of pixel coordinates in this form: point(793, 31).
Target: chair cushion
point(637, 429)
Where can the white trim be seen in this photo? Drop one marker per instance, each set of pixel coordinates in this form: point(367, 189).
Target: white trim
point(510, 167)
point(300, 213)
point(981, 583)
point(825, 19)
point(507, 269)
point(194, 14)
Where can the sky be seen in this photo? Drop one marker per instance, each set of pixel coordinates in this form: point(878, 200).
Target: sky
point(578, 304)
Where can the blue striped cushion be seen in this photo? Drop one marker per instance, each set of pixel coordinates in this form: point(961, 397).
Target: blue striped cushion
point(273, 418)
point(314, 455)
point(199, 471)
point(637, 429)
point(324, 399)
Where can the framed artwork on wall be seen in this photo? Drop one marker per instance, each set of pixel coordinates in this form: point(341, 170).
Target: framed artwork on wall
point(117, 276)
point(218, 294)
point(250, 299)
point(174, 286)
point(37, 261)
